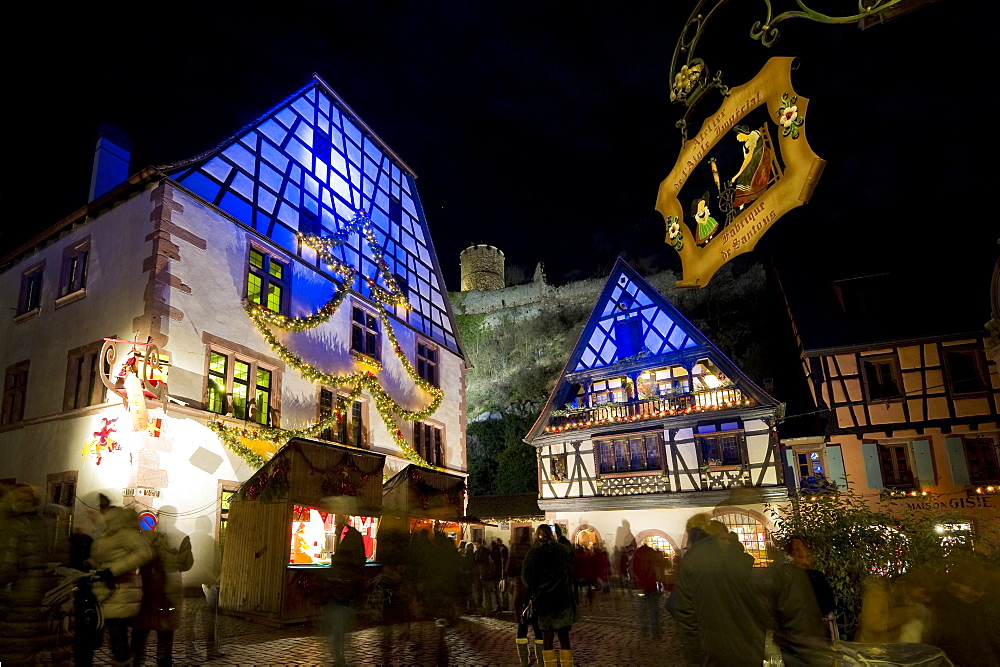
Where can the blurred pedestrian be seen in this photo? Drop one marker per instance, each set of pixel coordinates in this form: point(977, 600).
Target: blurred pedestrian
point(519, 597)
point(116, 555)
point(487, 577)
point(162, 589)
point(966, 615)
point(799, 551)
point(647, 573)
point(547, 572)
point(344, 582)
point(27, 543)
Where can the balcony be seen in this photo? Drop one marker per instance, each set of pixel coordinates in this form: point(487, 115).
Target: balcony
point(644, 409)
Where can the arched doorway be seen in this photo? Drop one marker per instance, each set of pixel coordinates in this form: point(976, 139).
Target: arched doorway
point(660, 541)
point(751, 529)
point(586, 536)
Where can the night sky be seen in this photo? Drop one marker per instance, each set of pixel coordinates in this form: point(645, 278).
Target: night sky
point(543, 128)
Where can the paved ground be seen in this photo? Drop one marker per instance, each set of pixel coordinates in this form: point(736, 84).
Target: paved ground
point(606, 635)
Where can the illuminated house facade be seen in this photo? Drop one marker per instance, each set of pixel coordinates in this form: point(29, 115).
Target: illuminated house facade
point(287, 283)
point(911, 404)
point(649, 424)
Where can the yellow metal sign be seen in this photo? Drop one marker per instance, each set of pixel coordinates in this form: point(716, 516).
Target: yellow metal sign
point(778, 172)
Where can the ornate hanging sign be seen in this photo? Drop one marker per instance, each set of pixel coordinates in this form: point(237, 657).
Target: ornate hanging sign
point(778, 173)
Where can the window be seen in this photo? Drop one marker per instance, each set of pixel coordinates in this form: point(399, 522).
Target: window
point(267, 281)
point(74, 268)
point(60, 496)
point(357, 424)
point(31, 290)
point(881, 377)
point(557, 468)
point(751, 533)
point(364, 332)
point(966, 368)
point(894, 459)
point(721, 444)
point(981, 454)
point(427, 362)
point(348, 429)
point(608, 391)
point(240, 388)
point(83, 382)
point(15, 386)
point(428, 441)
point(630, 453)
point(810, 468)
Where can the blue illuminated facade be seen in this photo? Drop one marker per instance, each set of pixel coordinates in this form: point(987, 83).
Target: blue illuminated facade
point(307, 167)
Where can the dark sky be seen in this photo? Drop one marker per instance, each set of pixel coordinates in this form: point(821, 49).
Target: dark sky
point(543, 128)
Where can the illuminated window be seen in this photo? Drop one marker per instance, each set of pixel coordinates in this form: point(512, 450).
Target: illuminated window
point(810, 468)
point(365, 332)
point(427, 362)
point(83, 381)
point(30, 298)
point(74, 269)
point(557, 468)
point(241, 388)
point(608, 391)
point(751, 533)
point(722, 444)
point(663, 545)
point(267, 281)
point(15, 387)
point(881, 377)
point(60, 492)
point(966, 368)
point(955, 534)
point(428, 440)
point(630, 453)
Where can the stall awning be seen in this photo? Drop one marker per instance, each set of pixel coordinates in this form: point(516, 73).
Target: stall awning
point(423, 493)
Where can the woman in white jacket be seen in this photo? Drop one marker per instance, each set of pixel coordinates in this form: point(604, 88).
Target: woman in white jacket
point(116, 555)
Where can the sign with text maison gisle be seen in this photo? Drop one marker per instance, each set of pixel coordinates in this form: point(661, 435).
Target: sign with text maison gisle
point(778, 173)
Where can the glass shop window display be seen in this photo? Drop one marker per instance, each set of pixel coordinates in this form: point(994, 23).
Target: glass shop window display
point(314, 535)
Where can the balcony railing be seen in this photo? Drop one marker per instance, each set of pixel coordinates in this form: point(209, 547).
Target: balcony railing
point(650, 408)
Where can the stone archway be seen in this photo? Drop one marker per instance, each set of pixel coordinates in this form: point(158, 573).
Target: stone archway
point(586, 535)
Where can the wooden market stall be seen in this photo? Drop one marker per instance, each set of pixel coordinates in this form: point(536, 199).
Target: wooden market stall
point(417, 498)
point(280, 529)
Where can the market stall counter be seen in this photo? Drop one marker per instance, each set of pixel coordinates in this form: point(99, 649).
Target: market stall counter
point(280, 532)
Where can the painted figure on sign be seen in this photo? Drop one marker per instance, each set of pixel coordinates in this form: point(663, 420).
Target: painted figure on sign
point(705, 224)
point(751, 180)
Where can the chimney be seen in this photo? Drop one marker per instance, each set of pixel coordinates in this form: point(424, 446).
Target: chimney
point(111, 157)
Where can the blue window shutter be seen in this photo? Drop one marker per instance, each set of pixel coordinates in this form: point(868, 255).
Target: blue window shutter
point(835, 472)
point(873, 468)
point(959, 464)
point(924, 462)
point(790, 470)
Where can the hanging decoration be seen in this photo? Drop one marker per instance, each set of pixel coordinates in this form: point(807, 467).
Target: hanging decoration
point(357, 381)
point(103, 440)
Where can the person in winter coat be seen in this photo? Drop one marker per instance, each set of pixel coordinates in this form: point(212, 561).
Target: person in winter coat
point(548, 574)
point(116, 555)
point(519, 597)
point(25, 548)
point(345, 582)
point(648, 566)
point(162, 589)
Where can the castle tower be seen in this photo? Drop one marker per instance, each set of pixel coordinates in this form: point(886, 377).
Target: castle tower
point(482, 268)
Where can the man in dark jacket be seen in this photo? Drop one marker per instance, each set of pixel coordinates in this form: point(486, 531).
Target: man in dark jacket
point(345, 581)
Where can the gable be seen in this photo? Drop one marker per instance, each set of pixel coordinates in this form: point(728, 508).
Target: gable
point(309, 166)
point(631, 318)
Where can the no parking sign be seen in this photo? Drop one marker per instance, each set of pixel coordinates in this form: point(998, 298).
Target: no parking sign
point(147, 521)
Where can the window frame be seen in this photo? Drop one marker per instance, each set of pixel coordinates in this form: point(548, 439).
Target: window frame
point(85, 363)
point(898, 482)
point(739, 443)
point(875, 361)
point(992, 450)
point(73, 272)
point(429, 366)
point(14, 393)
point(608, 448)
point(267, 279)
point(29, 299)
point(254, 366)
point(808, 450)
point(432, 450)
point(978, 362)
point(371, 338)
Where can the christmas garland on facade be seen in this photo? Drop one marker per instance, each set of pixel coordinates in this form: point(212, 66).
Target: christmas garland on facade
point(263, 319)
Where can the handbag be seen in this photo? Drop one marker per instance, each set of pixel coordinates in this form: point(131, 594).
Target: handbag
point(528, 614)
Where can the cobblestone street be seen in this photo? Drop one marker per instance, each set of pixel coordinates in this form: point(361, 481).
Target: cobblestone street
point(606, 635)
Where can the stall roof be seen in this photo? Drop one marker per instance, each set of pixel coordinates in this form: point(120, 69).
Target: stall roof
point(503, 508)
point(424, 493)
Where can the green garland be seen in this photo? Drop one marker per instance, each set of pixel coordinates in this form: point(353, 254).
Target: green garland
point(263, 319)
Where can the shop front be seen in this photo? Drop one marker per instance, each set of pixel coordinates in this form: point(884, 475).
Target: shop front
point(281, 528)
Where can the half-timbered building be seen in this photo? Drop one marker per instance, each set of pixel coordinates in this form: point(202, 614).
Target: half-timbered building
point(650, 423)
point(910, 401)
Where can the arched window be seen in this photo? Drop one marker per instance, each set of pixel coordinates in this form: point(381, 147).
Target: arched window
point(751, 531)
point(658, 540)
point(587, 536)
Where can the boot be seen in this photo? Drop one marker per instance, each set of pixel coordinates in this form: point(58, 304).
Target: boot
point(538, 651)
point(565, 658)
point(522, 650)
point(549, 658)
